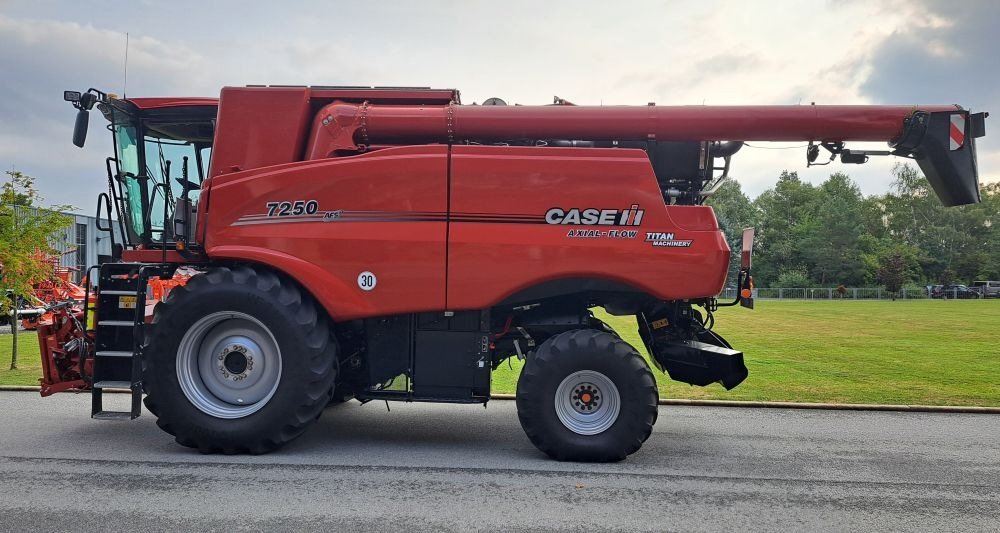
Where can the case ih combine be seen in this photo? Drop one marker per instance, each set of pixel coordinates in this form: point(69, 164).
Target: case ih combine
point(392, 244)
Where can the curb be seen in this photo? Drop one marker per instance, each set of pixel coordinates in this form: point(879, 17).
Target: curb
point(828, 406)
point(724, 403)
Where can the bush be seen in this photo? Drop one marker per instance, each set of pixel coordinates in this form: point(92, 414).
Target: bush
point(792, 278)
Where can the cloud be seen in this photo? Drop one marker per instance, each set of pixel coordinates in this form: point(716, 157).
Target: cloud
point(948, 55)
point(720, 52)
point(40, 59)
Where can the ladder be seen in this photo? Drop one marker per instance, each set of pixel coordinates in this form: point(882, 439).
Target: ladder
point(120, 322)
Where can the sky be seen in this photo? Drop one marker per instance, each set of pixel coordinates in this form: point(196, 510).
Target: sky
point(596, 52)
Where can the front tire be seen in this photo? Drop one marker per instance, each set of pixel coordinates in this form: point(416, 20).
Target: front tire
point(586, 395)
point(239, 360)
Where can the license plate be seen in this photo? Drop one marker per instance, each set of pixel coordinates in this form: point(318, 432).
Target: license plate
point(126, 302)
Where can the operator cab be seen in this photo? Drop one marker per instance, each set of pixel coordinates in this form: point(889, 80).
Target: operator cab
point(162, 151)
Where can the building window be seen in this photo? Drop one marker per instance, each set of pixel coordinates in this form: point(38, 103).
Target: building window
point(81, 247)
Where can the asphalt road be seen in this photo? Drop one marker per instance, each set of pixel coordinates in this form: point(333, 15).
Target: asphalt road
point(446, 467)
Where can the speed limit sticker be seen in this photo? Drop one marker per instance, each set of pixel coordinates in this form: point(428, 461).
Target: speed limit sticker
point(367, 281)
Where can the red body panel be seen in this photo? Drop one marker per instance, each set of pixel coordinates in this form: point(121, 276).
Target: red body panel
point(387, 213)
point(271, 135)
point(406, 251)
point(489, 261)
point(269, 123)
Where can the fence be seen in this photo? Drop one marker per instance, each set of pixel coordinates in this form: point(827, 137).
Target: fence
point(827, 293)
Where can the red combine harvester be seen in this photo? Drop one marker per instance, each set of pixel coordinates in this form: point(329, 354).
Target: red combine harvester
point(59, 287)
point(392, 244)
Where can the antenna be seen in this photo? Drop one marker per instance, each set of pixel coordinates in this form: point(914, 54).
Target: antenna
point(125, 83)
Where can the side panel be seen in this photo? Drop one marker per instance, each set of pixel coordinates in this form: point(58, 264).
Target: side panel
point(502, 241)
point(259, 127)
point(382, 213)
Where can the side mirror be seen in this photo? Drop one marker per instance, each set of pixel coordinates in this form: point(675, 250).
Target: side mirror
point(80, 128)
point(71, 96)
point(87, 100)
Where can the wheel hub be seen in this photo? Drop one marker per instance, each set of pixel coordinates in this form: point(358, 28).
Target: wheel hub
point(586, 398)
point(228, 365)
point(236, 362)
point(587, 402)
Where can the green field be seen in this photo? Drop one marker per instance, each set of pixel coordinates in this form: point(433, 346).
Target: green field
point(29, 362)
point(906, 352)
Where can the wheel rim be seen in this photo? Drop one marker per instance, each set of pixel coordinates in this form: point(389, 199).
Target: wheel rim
point(228, 365)
point(587, 402)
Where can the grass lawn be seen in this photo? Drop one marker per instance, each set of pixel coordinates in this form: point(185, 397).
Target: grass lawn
point(29, 362)
point(905, 352)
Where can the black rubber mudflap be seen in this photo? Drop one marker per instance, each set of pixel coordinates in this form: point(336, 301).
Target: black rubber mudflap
point(700, 363)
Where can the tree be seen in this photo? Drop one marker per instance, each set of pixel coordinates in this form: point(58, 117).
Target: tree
point(947, 277)
point(832, 234)
point(892, 272)
point(24, 231)
point(946, 237)
point(831, 241)
point(785, 215)
point(734, 211)
point(792, 279)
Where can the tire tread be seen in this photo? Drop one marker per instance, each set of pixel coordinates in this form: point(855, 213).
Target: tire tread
point(555, 354)
point(315, 391)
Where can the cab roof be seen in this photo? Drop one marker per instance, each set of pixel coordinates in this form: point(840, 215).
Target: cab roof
point(181, 101)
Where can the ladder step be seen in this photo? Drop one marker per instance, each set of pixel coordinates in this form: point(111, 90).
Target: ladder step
point(112, 415)
point(113, 385)
point(119, 323)
point(113, 353)
point(117, 293)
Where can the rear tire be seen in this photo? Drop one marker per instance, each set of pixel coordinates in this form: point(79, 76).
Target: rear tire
point(586, 395)
point(239, 360)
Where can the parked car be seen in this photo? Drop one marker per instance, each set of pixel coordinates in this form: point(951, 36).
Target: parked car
point(988, 289)
point(960, 292)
